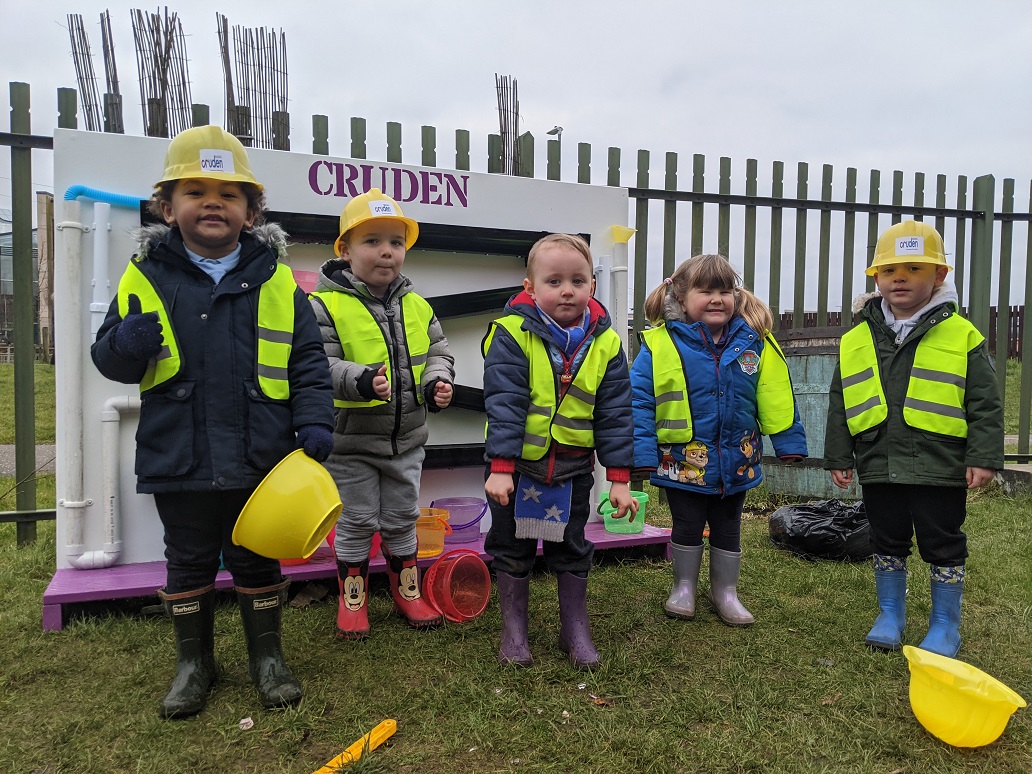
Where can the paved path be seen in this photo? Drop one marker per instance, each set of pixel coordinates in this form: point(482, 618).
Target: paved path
point(45, 455)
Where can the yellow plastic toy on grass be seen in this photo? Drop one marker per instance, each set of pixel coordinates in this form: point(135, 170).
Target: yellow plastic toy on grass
point(961, 705)
point(367, 743)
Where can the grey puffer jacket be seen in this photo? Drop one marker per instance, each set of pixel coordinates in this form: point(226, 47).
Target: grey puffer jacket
point(894, 452)
point(399, 425)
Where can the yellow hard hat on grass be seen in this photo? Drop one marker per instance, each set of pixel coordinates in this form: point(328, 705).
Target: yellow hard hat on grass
point(908, 242)
point(374, 203)
point(207, 152)
point(961, 705)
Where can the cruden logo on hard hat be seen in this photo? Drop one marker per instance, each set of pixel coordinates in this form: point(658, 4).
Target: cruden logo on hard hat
point(911, 245)
point(215, 160)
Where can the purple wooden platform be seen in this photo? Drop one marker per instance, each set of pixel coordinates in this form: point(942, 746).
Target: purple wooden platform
point(70, 586)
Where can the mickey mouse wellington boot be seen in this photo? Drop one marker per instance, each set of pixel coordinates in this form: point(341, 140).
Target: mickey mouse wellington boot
point(353, 604)
point(403, 574)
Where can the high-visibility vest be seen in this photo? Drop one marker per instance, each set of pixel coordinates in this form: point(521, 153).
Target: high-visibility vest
point(571, 420)
point(364, 341)
point(935, 390)
point(775, 401)
point(275, 329)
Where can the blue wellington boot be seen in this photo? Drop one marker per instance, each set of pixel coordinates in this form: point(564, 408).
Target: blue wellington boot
point(890, 580)
point(944, 624)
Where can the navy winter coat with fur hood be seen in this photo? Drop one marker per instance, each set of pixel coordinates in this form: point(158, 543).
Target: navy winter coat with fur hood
point(210, 428)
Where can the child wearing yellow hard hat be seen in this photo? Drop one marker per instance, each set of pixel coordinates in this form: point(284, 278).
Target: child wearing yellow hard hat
point(390, 364)
point(232, 378)
point(914, 407)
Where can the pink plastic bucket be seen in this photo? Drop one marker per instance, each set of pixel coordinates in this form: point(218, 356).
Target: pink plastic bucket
point(464, 515)
point(458, 584)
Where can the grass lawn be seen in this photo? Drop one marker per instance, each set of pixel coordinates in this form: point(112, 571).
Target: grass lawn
point(43, 388)
point(797, 692)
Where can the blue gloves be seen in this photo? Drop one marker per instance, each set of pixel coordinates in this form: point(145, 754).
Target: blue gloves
point(138, 336)
point(316, 440)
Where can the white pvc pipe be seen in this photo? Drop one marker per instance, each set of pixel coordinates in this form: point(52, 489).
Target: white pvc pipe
point(101, 282)
point(69, 415)
point(618, 289)
point(110, 417)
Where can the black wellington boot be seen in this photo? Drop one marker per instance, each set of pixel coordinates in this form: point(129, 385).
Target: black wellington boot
point(193, 620)
point(262, 614)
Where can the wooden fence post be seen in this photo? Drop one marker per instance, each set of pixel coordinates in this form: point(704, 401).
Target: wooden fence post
point(24, 341)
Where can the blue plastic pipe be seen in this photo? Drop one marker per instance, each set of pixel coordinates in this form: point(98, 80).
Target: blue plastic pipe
point(118, 200)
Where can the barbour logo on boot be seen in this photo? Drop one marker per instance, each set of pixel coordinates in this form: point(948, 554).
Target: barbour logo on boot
point(185, 608)
point(265, 604)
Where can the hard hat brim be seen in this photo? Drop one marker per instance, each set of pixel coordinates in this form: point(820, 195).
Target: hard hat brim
point(873, 269)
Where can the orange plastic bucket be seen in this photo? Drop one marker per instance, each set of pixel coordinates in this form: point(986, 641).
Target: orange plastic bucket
point(431, 527)
point(458, 584)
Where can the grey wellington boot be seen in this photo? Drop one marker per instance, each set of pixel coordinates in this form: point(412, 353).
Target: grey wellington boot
point(575, 629)
point(193, 620)
point(262, 614)
point(724, 569)
point(513, 594)
point(686, 560)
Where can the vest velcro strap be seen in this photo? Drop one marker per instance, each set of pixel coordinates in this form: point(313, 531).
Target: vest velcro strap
point(939, 376)
point(572, 424)
point(672, 424)
point(667, 397)
point(867, 405)
point(855, 379)
point(543, 411)
point(934, 408)
point(582, 395)
point(275, 337)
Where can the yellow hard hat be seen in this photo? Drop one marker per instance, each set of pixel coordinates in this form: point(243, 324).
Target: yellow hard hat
point(374, 203)
point(960, 704)
point(209, 152)
point(291, 511)
point(908, 242)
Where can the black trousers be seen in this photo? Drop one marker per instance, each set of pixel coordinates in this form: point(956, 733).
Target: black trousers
point(516, 556)
point(198, 530)
point(935, 514)
point(691, 511)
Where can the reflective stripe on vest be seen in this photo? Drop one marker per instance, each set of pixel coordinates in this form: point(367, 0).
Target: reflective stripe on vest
point(572, 422)
point(935, 389)
point(364, 342)
point(775, 401)
point(275, 329)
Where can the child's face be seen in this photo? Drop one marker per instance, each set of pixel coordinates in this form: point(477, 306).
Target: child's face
point(712, 306)
point(908, 287)
point(376, 251)
point(562, 283)
point(210, 214)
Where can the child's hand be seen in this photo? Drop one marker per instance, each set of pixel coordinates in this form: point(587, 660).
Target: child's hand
point(842, 478)
point(498, 487)
point(381, 386)
point(443, 394)
point(620, 496)
point(977, 477)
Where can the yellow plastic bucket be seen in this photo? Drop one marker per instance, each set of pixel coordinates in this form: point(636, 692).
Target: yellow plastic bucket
point(291, 512)
point(431, 527)
point(961, 705)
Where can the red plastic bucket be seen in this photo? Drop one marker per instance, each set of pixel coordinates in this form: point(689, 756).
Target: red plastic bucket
point(464, 515)
point(458, 584)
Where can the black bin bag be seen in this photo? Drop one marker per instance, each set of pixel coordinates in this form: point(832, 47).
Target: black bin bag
point(829, 529)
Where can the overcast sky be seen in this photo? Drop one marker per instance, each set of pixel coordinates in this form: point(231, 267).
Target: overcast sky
point(929, 85)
